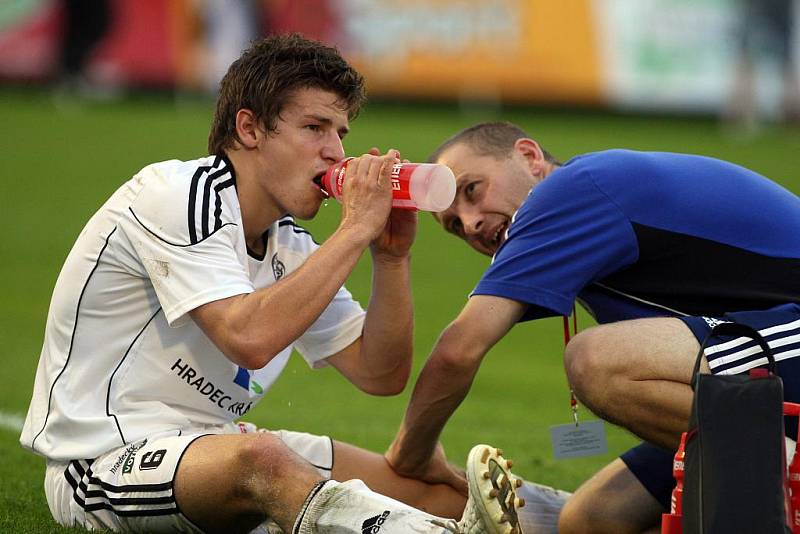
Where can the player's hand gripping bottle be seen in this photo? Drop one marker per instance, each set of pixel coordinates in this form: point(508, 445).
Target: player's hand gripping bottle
point(415, 186)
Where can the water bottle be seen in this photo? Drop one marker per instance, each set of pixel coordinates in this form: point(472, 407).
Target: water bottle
point(794, 491)
point(793, 475)
point(415, 186)
point(671, 522)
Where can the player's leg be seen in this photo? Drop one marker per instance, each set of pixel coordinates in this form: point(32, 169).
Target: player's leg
point(636, 374)
point(491, 506)
point(615, 501)
point(235, 482)
point(354, 462)
point(185, 483)
point(539, 515)
point(256, 476)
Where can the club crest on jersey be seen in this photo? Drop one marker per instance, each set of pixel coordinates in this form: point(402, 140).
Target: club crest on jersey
point(278, 269)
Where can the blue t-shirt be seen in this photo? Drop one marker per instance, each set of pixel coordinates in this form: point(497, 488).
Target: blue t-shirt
point(640, 234)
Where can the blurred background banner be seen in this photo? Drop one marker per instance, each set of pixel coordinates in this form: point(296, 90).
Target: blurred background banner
point(508, 50)
point(673, 55)
point(660, 55)
point(142, 46)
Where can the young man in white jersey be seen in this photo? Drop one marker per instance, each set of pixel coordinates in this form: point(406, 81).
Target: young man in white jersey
point(181, 301)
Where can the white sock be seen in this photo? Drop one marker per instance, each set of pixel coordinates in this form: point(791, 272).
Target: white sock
point(351, 507)
point(542, 506)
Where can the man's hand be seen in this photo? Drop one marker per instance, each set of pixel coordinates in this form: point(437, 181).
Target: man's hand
point(367, 194)
point(444, 382)
point(437, 470)
point(397, 237)
point(400, 230)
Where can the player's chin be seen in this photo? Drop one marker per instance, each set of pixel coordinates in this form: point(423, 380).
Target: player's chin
point(307, 211)
point(483, 249)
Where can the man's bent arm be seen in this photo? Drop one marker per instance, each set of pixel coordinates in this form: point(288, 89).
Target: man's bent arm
point(251, 329)
point(380, 362)
point(446, 378)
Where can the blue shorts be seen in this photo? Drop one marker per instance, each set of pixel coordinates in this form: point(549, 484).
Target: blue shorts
point(780, 327)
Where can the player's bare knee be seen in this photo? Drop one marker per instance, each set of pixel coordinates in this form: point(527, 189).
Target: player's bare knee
point(265, 456)
point(583, 362)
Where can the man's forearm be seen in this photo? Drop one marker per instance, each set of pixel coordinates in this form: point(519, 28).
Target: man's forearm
point(243, 327)
point(389, 324)
point(441, 387)
point(447, 378)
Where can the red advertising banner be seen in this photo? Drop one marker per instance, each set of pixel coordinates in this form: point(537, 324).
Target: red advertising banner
point(144, 43)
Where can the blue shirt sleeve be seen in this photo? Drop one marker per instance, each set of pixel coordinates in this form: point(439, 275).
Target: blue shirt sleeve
point(566, 235)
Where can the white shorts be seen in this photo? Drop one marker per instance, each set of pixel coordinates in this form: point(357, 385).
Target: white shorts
point(129, 489)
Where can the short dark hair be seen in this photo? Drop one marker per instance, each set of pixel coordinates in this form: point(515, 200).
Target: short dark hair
point(494, 139)
point(267, 74)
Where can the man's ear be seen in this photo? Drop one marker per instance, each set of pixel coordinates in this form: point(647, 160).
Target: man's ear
point(530, 151)
point(248, 130)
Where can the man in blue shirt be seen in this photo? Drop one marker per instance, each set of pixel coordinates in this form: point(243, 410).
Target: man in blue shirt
point(658, 247)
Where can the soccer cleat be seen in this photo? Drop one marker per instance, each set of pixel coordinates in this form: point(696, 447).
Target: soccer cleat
point(492, 504)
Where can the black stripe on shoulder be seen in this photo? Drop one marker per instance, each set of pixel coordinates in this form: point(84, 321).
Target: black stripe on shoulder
point(170, 242)
point(111, 378)
point(193, 199)
point(206, 216)
point(219, 163)
point(72, 336)
point(218, 201)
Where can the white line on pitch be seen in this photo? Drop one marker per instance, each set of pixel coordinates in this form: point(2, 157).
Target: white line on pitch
point(11, 421)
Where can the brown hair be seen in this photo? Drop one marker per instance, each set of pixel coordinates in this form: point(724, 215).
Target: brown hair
point(267, 74)
point(494, 139)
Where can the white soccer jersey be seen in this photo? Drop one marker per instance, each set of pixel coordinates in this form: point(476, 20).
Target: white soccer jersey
point(121, 358)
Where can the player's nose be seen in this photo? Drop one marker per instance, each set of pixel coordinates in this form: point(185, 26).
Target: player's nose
point(333, 150)
point(473, 224)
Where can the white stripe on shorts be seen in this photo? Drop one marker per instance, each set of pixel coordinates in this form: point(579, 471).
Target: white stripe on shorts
point(746, 355)
point(766, 332)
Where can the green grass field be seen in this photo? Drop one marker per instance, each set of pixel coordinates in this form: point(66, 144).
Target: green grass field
point(59, 164)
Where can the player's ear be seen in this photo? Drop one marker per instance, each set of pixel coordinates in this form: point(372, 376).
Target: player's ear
point(532, 154)
point(247, 128)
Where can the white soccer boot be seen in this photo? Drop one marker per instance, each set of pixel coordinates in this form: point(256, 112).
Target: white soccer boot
point(493, 503)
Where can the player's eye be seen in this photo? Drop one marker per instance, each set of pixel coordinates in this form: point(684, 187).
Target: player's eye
point(456, 227)
point(469, 191)
point(314, 127)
